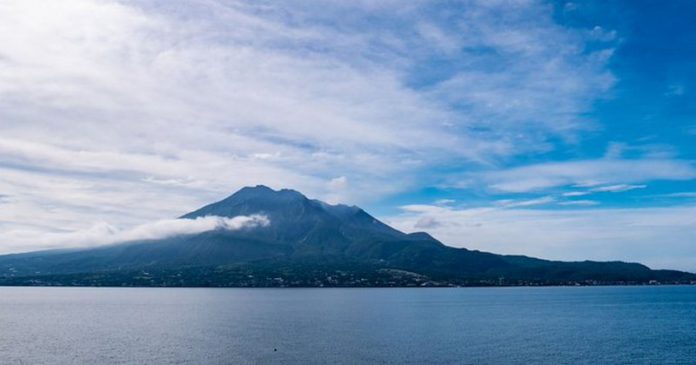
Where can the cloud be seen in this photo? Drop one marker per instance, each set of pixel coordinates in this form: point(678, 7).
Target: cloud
point(108, 106)
point(338, 183)
point(684, 194)
point(426, 223)
point(575, 193)
point(658, 237)
point(617, 188)
point(103, 233)
point(511, 203)
point(615, 150)
point(587, 173)
point(584, 203)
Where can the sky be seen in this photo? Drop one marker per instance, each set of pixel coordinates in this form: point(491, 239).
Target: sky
point(557, 129)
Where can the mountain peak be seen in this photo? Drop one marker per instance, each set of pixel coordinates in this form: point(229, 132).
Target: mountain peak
point(257, 188)
point(295, 218)
point(251, 200)
point(260, 190)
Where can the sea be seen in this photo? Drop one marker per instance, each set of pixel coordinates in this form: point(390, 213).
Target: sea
point(520, 325)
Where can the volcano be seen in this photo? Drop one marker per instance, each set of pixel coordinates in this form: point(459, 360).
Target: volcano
point(306, 242)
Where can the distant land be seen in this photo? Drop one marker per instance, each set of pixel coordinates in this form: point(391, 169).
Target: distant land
point(306, 243)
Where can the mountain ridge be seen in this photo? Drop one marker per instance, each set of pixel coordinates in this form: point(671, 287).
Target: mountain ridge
point(307, 243)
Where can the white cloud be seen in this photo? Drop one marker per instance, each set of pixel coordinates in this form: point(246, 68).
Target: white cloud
point(575, 193)
point(512, 203)
point(587, 173)
point(617, 188)
point(132, 111)
point(583, 202)
point(338, 183)
point(601, 34)
point(658, 237)
point(685, 194)
point(615, 150)
point(104, 233)
point(426, 223)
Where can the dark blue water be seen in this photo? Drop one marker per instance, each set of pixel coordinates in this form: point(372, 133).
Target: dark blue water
point(593, 325)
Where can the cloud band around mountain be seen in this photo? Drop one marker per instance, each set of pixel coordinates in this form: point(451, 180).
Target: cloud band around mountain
point(104, 233)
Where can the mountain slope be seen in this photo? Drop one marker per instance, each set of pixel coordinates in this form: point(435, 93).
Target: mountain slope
point(306, 240)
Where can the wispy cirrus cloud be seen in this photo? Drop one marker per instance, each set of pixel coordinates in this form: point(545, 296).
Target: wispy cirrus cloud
point(513, 203)
point(618, 188)
point(684, 194)
point(580, 203)
point(617, 172)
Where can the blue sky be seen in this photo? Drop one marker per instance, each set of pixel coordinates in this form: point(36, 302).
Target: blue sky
point(647, 113)
point(557, 129)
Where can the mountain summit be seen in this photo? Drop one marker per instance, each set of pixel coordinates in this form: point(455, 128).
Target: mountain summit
point(306, 243)
point(306, 225)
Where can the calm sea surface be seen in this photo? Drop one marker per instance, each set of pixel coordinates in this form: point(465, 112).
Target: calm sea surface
point(588, 325)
